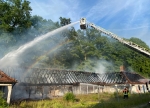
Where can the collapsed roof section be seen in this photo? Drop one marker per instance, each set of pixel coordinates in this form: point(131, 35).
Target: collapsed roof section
point(5, 79)
point(134, 78)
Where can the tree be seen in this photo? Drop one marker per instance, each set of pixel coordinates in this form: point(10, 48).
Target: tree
point(64, 21)
point(42, 26)
point(139, 42)
point(15, 15)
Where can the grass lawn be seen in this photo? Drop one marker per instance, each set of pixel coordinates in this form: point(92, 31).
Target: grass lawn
point(103, 100)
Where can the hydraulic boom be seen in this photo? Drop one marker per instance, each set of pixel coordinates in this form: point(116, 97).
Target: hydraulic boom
point(130, 44)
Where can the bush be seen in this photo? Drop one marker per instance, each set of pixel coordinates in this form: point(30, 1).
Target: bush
point(69, 97)
point(3, 103)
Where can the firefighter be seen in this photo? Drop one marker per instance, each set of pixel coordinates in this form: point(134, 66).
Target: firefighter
point(125, 92)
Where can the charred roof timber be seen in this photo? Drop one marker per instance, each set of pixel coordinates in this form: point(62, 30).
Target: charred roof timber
point(47, 77)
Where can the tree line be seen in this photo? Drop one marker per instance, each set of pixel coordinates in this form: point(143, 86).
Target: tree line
point(81, 49)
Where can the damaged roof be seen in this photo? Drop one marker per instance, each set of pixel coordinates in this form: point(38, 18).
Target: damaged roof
point(5, 79)
point(65, 77)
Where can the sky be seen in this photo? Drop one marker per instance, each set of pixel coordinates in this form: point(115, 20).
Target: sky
point(125, 18)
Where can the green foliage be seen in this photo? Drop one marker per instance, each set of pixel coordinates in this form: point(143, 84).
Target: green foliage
point(84, 47)
point(86, 65)
point(139, 42)
point(75, 49)
point(42, 26)
point(64, 21)
point(69, 97)
point(15, 14)
point(3, 103)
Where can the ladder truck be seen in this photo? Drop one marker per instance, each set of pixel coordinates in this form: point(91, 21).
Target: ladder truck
point(83, 25)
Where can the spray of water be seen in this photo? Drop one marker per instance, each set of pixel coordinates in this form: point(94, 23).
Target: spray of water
point(14, 58)
point(11, 59)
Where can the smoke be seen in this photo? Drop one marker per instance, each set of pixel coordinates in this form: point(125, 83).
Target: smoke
point(103, 66)
point(23, 52)
point(92, 65)
point(13, 63)
point(130, 69)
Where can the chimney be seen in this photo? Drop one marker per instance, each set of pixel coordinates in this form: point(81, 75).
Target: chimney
point(122, 68)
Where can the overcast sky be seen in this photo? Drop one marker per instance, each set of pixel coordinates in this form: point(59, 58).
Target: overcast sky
point(126, 18)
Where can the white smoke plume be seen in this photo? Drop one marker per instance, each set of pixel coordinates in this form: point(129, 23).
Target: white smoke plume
point(102, 66)
point(12, 58)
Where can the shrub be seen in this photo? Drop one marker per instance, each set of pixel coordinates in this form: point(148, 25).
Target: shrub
point(69, 97)
point(3, 103)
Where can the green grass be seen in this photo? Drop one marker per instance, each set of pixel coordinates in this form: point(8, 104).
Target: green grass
point(106, 100)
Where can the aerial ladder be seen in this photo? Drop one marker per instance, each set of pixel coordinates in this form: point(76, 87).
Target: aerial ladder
point(83, 25)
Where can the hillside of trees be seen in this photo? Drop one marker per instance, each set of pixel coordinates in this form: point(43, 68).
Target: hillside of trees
point(80, 49)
